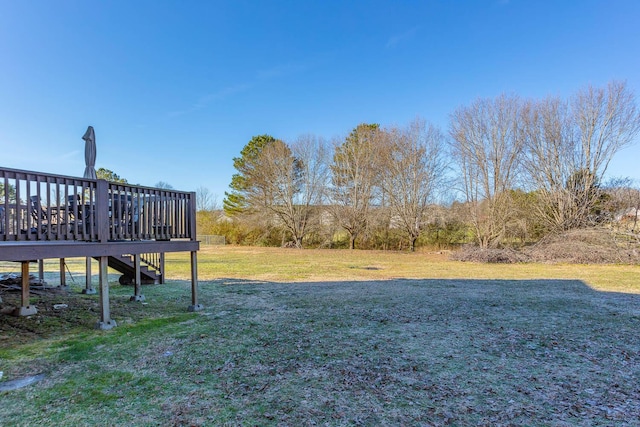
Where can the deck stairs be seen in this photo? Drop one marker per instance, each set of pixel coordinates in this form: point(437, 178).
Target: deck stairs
point(150, 269)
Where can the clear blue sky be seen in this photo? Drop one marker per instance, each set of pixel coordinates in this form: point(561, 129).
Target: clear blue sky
point(175, 89)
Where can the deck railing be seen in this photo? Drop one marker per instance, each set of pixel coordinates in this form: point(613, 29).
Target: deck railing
point(37, 206)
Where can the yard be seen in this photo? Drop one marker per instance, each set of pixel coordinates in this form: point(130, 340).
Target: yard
point(331, 337)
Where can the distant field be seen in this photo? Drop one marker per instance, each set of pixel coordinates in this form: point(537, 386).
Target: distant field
point(291, 265)
point(334, 337)
point(317, 265)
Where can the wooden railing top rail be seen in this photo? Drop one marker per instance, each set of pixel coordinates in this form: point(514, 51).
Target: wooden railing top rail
point(37, 206)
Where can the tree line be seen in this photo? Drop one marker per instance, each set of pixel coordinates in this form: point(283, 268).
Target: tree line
point(508, 170)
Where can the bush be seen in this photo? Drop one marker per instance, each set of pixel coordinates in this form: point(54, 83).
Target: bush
point(494, 256)
point(585, 246)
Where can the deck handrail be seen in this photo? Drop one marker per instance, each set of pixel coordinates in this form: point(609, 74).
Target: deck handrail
point(37, 206)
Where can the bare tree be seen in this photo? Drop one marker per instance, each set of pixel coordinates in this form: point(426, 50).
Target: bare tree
point(569, 145)
point(550, 161)
point(164, 185)
point(606, 121)
point(206, 200)
point(354, 175)
point(413, 165)
point(288, 183)
point(312, 155)
point(487, 146)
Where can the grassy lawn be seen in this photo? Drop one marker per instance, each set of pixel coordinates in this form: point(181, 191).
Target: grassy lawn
point(318, 337)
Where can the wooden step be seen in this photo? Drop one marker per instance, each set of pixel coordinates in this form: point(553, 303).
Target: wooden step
point(125, 265)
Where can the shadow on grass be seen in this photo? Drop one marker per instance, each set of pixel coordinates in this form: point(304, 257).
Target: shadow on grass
point(80, 313)
point(396, 352)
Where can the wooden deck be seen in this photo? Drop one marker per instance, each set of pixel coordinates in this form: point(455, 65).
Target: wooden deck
point(45, 216)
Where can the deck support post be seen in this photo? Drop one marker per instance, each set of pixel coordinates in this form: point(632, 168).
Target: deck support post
point(162, 268)
point(137, 285)
point(88, 289)
point(41, 270)
point(194, 283)
point(105, 322)
point(25, 309)
point(63, 276)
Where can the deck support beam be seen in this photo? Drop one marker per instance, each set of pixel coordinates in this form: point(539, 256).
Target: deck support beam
point(105, 322)
point(25, 309)
point(194, 283)
point(137, 280)
point(162, 268)
point(63, 276)
point(41, 270)
point(88, 288)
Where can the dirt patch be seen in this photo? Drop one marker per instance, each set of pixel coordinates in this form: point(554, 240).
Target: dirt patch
point(61, 311)
point(50, 320)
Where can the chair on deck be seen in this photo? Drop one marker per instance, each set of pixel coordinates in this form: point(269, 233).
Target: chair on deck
point(125, 214)
point(77, 214)
point(73, 208)
point(39, 215)
point(45, 219)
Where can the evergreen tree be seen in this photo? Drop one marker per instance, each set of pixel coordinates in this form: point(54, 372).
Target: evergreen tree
point(235, 201)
